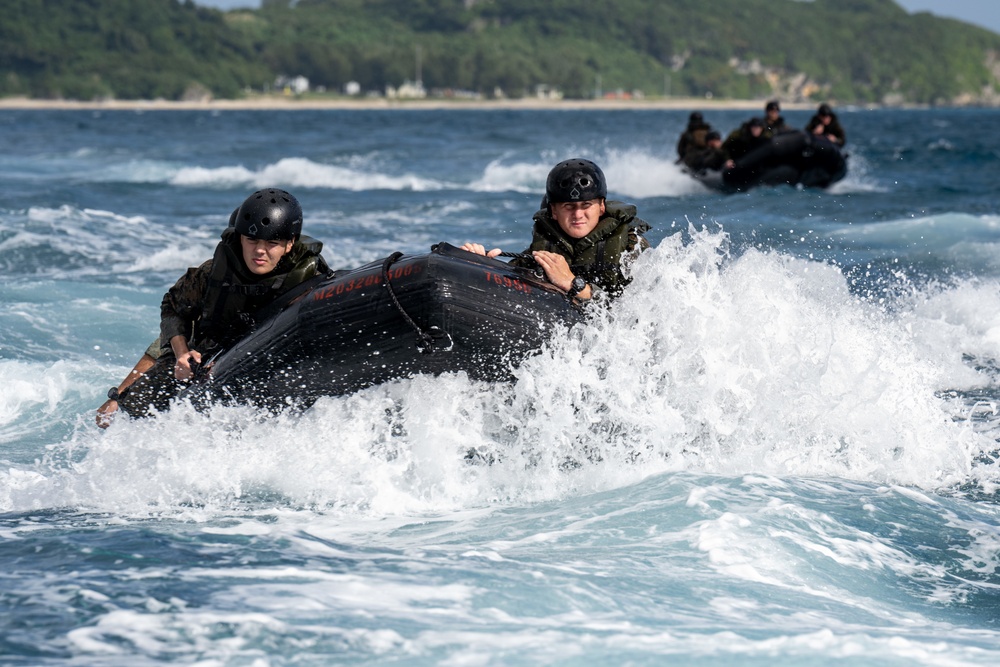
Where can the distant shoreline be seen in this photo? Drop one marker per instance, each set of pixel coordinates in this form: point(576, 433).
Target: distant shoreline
point(292, 104)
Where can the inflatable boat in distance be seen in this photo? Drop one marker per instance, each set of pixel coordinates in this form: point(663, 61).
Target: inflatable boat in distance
point(445, 311)
point(790, 158)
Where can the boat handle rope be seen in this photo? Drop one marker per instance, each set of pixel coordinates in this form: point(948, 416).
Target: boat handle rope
point(425, 339)
point(517, 255)
point(537, 270)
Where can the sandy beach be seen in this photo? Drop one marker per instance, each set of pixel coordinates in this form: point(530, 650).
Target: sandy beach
point(294, 103)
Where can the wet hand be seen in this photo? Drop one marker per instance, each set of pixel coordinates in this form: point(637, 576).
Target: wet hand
point(106, 413)
point(556, 268)
point(182, 369)
point(480, 250)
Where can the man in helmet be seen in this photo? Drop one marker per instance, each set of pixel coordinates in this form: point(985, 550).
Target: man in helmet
point(825, 124)
point(744, 139)
point(580, 239)
point(711, 157)
point(262, 255)
point(693, 136)
point(774, 122)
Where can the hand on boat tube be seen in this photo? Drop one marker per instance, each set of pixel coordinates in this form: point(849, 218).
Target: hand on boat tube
point(558, 272)
point(185, 358)
point(106, 413)
point(480, 250)
point(183, 368)
point(556, 268)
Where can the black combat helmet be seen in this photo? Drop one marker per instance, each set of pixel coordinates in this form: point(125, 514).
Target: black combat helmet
point(575, 180)
point(270, 215)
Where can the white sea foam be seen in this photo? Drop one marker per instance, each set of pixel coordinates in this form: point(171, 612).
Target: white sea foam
point(30, 388)
point(859, 178)
point(935, 230)
point(949, 321)
point(963, 241)
point(84, 243)
point(517, 177)
point(761, 363)
point(639, 173)
point(294, 172)
point(632, 172)
point(762, 558)
point(748, 463)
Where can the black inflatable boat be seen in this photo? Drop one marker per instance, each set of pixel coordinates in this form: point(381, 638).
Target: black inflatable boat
point(448, 310)
point(789, 158)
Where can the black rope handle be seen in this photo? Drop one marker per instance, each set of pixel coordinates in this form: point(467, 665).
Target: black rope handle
point(426, 340)
point(517, 255)
point(534, 266)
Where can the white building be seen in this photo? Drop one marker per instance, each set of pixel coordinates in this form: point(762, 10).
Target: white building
point(292, 85)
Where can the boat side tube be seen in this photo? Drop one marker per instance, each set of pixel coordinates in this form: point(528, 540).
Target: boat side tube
point(444, 311)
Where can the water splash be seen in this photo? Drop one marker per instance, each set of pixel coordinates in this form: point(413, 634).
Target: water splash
point(292, 172)
point(709, 363)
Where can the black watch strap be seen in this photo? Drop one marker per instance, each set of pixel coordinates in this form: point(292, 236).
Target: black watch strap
point(575, 287)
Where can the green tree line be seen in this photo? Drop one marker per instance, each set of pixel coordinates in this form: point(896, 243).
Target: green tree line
point(843, 50)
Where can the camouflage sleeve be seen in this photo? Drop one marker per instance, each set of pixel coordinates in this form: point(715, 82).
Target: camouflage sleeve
point(154, 350)
point(524, 262)
point(181, 305)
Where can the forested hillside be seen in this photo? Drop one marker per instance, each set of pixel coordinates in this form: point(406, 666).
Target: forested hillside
point(841, 50)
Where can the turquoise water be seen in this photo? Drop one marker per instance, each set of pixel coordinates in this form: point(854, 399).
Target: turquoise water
point(779, 449)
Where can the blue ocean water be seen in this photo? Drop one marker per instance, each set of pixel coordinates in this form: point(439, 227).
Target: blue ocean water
point(780, 447)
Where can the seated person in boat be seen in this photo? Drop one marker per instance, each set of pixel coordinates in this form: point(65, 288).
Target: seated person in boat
point(711, 157)
point(581, 240)
point(262, 255)
point(745, 138)
point(774, 122)
point(825, 124)
point(694, 134)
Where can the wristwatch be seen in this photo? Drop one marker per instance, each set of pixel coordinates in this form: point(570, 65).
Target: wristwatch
point(575, 287)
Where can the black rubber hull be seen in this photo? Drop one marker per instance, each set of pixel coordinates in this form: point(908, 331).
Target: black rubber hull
point(466, 313)
point(790, 158)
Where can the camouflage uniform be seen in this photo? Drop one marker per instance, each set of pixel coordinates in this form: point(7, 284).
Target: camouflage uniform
point(212, 306)
point(600, 256)
point(832, 128)
point(693, 138)
point(741, 141)
point(706, 158)
point(777, 126)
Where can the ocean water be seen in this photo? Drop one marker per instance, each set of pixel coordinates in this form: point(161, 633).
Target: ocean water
point(779, 448)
